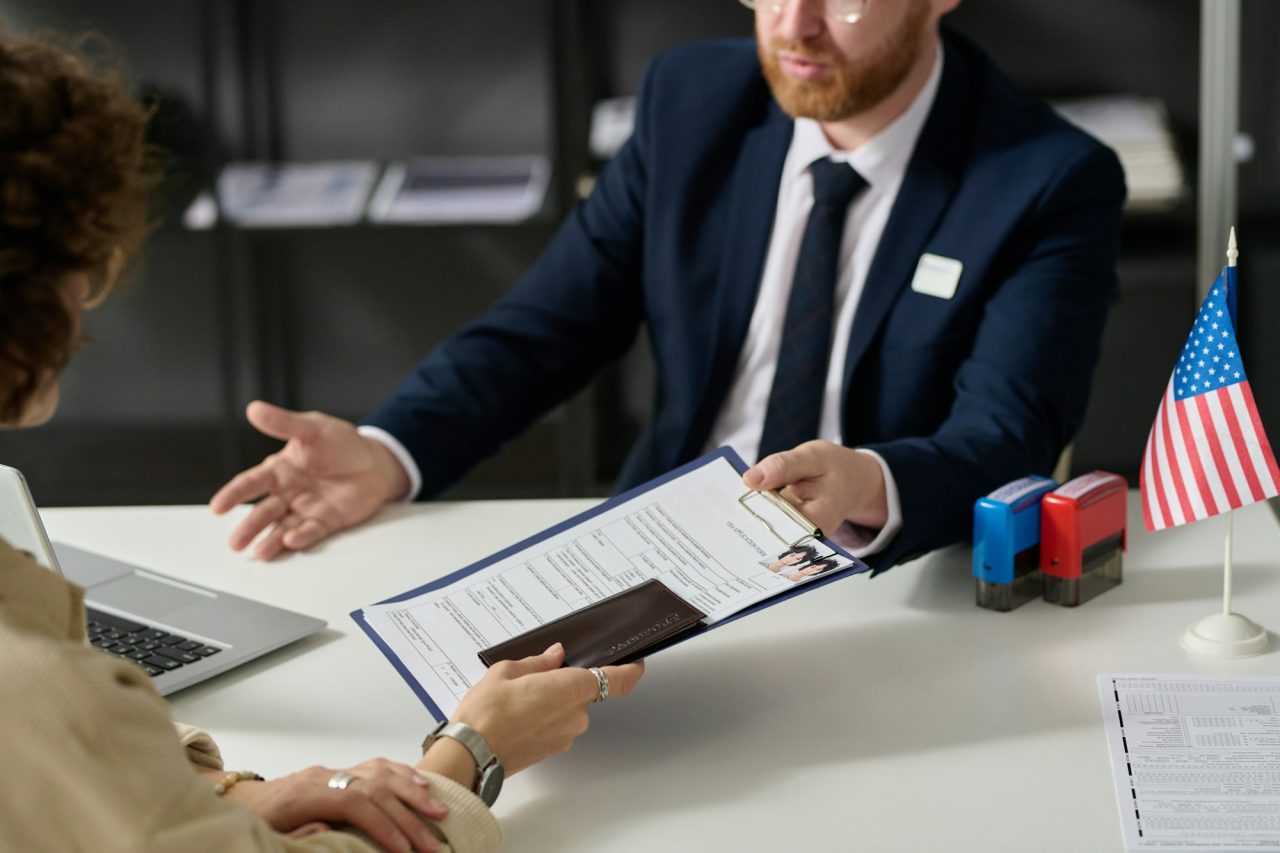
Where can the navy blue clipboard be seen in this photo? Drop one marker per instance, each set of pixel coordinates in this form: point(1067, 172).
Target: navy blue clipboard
point(727, 453)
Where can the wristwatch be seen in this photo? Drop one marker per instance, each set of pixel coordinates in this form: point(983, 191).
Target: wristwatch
point(489, 772)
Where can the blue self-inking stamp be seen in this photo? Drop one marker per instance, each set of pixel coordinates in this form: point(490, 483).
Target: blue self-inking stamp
point(1006, 543)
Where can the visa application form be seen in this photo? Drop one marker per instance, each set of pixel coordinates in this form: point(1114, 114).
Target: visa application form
point(690, 530)
point(1196, 760)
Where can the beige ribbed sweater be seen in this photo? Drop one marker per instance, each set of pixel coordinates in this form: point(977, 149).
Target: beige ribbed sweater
point(89, 760)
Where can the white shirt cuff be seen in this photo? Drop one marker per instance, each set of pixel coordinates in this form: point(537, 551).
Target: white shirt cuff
point(863, 541)
point(402, 456)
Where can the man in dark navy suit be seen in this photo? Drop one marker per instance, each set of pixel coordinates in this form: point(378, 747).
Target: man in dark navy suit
point(862, 256)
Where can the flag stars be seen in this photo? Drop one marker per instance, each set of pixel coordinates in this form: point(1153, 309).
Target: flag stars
point(1217, 358)
point(1222, 379)
point(1219, 313)
point(1200, 363)
point(1213, 325)
point(1231, 354)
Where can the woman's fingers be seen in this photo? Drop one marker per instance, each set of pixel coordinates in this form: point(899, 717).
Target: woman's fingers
point(361, 812)
point(622, 679)
point(408, 822)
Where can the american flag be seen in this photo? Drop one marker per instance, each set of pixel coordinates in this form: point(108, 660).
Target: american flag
point(1207, 453)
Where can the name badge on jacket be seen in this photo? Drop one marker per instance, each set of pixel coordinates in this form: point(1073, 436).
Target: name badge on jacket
point(937, 276)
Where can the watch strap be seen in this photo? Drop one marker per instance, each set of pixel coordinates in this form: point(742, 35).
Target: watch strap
point(489, 771)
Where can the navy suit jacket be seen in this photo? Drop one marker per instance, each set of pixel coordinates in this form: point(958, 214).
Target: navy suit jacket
point(958, 395)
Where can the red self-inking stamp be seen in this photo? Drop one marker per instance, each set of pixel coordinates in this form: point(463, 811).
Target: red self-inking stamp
point(1082, 537)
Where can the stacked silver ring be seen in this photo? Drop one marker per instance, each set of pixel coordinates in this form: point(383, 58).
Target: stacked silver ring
point(341, 780)
point(602, 682)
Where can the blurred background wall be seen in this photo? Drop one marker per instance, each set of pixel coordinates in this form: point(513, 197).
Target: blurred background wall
point(332, 318)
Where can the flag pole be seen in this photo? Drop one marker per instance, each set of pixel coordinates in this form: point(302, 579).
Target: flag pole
point(1233, 254)
point(1226, 574)
point(1227, 634)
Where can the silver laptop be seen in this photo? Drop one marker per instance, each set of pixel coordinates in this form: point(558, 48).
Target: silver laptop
point(180, 634)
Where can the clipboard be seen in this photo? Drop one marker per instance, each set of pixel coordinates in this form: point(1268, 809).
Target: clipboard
point(766, 512)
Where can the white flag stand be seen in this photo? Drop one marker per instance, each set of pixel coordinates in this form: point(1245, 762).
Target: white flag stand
point(1226, 634)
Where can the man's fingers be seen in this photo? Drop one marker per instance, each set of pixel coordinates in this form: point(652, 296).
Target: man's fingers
point(266, 512)
point(245, 486)
point(306, 534)
point(283, 424)
point(783, 469)
point(269, 546)
point(622, 679)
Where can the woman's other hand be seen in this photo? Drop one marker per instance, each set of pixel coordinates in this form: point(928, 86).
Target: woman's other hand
point(384, 800)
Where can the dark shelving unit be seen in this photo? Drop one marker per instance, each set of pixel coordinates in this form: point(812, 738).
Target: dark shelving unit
point(333, 318)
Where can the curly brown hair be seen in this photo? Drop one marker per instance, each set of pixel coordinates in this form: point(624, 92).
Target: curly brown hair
point(75, 178)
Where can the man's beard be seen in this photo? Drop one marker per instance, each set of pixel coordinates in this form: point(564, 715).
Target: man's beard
point(854, 86)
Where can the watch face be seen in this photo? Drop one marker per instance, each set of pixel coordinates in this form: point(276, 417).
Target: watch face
point(491, 783)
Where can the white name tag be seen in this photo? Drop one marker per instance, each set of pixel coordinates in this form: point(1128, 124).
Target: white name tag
point(937, 276)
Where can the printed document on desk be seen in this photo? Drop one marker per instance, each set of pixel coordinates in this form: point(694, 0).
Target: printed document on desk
point(696, 530)
point(1196, 760)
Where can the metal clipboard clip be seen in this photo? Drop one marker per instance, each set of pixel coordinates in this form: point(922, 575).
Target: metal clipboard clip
point(811, 531)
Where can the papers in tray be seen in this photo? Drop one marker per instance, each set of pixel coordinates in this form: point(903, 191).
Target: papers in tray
point(461, 189)
point(267, 195)
point(1138, 130)
point(724, 551)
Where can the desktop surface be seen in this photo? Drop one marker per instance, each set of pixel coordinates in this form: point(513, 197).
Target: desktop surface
point(878, 715)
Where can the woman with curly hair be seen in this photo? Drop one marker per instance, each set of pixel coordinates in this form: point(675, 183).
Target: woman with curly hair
point(90, 759)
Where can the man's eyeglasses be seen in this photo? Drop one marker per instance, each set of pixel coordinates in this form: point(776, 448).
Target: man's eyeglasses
point(844, 11)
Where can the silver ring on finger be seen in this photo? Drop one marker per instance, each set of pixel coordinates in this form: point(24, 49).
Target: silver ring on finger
point(341, 780)
point(602, 684)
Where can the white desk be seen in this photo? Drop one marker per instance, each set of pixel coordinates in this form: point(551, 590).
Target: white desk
point(872, 715)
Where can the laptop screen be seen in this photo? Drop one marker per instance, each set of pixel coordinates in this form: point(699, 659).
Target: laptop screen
point(20, 524)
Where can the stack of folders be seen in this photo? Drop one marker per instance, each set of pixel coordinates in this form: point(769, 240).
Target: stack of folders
point(461, 189)
point(1138, 130)
point(425, 190)
point(282, 195)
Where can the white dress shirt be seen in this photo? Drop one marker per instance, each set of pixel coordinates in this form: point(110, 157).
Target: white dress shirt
point(882, 162)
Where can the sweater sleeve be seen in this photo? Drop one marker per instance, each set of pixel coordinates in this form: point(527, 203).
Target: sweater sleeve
point(92, 760)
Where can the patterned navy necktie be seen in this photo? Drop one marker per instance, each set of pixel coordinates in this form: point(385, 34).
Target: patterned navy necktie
point(795, 401)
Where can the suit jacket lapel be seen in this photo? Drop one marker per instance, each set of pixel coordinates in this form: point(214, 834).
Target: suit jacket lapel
point(931, 179)
point(753, 200)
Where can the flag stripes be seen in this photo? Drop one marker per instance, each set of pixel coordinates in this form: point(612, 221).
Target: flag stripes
point(1205, 455)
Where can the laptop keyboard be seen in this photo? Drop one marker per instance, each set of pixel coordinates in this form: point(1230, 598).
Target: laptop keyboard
point(154, 650)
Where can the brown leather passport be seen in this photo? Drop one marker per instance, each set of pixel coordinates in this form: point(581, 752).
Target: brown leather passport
point(616, 629)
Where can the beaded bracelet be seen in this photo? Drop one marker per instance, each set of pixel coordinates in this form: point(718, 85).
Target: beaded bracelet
point(230, 778)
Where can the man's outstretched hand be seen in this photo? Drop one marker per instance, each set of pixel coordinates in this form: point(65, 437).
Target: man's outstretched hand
point(326, 478)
